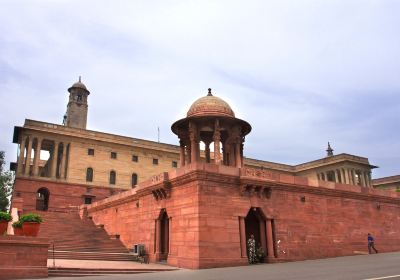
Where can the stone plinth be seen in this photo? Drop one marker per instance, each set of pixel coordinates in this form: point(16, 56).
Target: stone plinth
point(23, 257)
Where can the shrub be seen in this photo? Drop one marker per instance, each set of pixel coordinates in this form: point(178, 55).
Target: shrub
point(17, 224)
point(4, 216)
point(35, 218)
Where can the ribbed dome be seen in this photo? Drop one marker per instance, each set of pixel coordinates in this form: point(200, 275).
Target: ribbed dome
point(210, 106)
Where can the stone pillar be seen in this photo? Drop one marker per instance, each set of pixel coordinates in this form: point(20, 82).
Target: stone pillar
point(63, 161)
point(28, 156)
point(369, 179)
point(193, 142)
point(54, 160)
point(342, 178)
point(182, 153)
point(238, 155)
point(21, 157)
point(242, 228)
point(188, 154)
point(366, 180)
point(337, 176)
point(158, 238)
point(232, 159)
point(193, 150)
point(326, 176)
point(36, 160)
point(263, 232)
point(217, 142)
point(351, 173)
point(207, 152)
point(270, 240)
point(169, 235)
point(361, 176)
point(346, 175)
point(166, 237)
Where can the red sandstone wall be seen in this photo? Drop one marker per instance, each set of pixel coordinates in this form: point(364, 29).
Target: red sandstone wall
point(62, 195)
point(205, 209)
point(322, 226)
point(137, 224)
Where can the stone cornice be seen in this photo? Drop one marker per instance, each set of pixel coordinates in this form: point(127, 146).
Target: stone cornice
point(57, 129)
point(63, 182)
point(248, 177)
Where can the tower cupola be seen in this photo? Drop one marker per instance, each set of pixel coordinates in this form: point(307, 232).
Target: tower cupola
point(77, 107)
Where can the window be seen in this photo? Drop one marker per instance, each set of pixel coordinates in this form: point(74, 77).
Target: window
point(89, 174)
point(90, 152)
point(113, 177)
point(135, 158)
point(88, 200)
point(134, 180)
point(79, 98)
point(155, 161)
point(113, 155)
point(174, 164)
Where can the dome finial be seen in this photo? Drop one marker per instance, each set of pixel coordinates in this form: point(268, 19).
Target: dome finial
point(209, 92)
point(80, 79)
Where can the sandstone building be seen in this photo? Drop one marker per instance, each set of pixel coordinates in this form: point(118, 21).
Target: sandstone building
point(196, 208)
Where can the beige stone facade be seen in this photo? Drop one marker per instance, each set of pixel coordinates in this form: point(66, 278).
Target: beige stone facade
point(81, 156)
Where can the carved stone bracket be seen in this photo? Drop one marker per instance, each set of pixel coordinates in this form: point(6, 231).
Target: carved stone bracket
point(161, 193)
point(256, 190)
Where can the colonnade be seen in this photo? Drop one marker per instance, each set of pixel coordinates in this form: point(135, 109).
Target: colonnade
point(349, 176)
point(56, 166)
point(230, 138)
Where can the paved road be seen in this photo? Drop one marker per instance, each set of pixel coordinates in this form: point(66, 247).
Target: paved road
point(379, 266)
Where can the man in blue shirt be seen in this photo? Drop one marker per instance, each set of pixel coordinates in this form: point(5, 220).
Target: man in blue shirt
point(371, 244)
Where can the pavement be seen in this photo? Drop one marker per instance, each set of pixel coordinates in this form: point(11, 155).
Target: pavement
point(363, 267)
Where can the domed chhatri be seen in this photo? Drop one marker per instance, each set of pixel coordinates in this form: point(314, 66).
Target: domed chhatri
point(211, 120)
point(79, 85)
point(210, 106)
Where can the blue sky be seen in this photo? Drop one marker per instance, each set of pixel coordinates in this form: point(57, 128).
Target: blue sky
point(302, 73)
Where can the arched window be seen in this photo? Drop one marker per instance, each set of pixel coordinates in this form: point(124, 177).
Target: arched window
point(89, 174)
point(134, 179)
point(42, 199)
point(113, 177)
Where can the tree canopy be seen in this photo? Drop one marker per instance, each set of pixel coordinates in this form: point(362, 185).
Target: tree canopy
point(6, 182)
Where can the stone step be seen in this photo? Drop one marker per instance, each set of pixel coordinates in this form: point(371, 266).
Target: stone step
point(78, 272)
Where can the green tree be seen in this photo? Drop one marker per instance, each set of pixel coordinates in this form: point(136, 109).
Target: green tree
point(6, 182)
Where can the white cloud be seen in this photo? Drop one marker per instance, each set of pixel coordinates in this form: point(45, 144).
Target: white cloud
point(301, 72)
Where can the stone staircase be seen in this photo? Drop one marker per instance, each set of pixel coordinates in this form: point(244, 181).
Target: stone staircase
point(80, 272)
point(79, 239)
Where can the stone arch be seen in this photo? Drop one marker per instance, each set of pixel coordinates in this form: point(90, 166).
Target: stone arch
point(89, 174)
point(42, 199)
point(255, 224)
point(113, 177)
point(162, 236)
point(134, 180)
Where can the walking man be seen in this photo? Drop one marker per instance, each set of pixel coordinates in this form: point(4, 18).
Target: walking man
point(371, 244)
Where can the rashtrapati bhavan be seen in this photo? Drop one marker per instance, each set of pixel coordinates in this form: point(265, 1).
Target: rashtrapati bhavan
point(192, 207)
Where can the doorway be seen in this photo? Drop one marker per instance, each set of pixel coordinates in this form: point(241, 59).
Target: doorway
point(164, 235)
point(255, 225)
point(42, 199)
